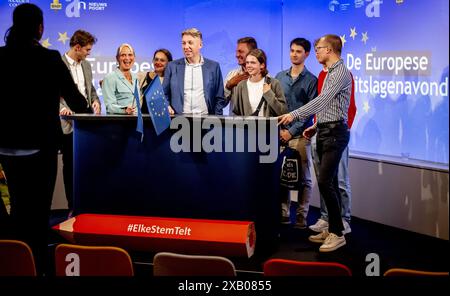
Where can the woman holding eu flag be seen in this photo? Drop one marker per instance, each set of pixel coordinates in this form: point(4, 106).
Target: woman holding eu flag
point(161, 59)
point(121, 87)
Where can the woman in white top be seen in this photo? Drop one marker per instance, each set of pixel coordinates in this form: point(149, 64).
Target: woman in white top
point(259, 95)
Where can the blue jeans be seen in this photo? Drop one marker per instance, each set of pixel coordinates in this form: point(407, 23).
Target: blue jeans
point(332, 140)
point(345, 189)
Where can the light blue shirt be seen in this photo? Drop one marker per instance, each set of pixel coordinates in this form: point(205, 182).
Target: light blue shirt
point(118, 92)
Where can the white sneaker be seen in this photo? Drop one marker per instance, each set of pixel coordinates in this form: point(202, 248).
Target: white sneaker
point(347, 228)
point(319, 238)
point(332, 243)
point(320, 226)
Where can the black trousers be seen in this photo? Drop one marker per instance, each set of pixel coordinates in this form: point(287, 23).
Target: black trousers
point(67, 158)
point(332, 138)
point(31, 182)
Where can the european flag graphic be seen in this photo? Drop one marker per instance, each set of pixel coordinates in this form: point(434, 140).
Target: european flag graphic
point(158, 106)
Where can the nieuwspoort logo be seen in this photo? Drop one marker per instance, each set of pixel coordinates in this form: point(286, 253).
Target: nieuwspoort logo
point(73, 8)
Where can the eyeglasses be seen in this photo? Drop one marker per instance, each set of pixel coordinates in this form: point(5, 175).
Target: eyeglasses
point(319, 47)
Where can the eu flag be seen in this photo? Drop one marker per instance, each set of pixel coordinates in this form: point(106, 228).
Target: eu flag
point(158, 107)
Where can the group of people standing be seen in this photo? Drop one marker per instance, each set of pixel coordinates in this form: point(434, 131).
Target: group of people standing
point(323, 105)
point(193, 85)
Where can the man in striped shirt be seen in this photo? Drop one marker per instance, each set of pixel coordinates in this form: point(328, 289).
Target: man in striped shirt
point(343, 174)
point(331, 109)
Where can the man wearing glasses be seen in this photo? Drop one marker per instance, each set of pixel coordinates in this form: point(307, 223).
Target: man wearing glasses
point(331, 109)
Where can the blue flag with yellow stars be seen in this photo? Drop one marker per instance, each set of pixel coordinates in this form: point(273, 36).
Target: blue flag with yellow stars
point(158, 107)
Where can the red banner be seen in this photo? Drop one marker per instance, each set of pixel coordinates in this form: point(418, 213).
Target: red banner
point(156, 234)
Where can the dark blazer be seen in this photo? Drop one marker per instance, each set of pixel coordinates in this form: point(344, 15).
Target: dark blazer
point(212, 85)
point(29, 106)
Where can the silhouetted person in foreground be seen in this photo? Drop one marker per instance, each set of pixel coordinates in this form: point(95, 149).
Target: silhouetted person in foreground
point(32, 80)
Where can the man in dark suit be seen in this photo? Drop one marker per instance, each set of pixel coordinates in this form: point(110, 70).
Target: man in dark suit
point(81, 44)
point(193, 84)
point(32, 81)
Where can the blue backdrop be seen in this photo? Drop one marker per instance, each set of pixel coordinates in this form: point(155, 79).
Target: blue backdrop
point(396, 49)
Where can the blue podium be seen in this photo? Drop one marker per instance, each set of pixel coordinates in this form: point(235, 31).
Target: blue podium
point(117, 173)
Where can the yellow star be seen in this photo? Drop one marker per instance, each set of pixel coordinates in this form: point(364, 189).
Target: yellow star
point(343, 40)
point(366, 106)
point(63, 37)
point(46, 43)
point(353, 33)
point(364, 37)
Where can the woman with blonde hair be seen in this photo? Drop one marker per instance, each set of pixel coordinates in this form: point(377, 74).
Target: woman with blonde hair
point(120, 85)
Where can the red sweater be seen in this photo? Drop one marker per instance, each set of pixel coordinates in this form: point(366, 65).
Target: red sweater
point(351, 108)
